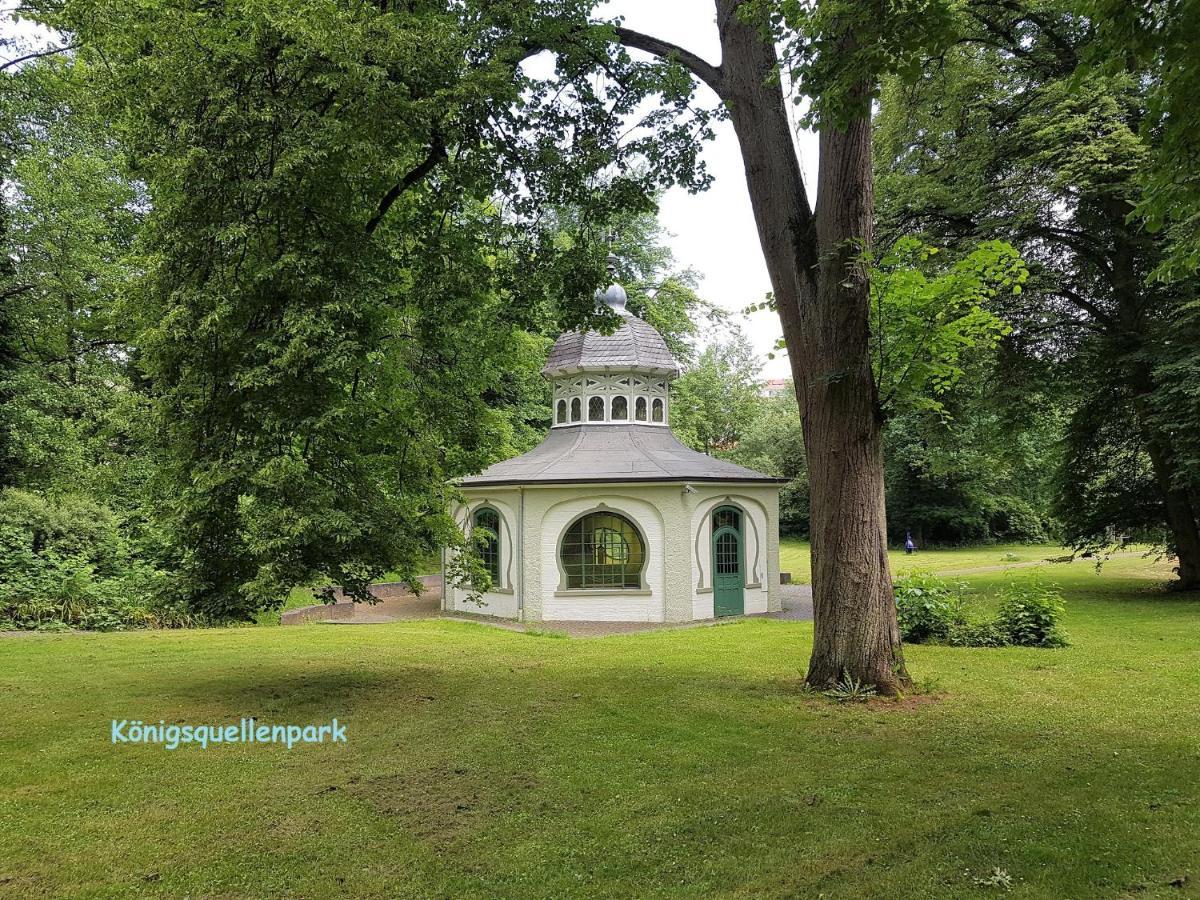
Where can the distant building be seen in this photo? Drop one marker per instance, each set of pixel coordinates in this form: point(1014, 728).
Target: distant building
point(773, 387)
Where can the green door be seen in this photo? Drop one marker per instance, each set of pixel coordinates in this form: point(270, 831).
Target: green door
point(727, 572)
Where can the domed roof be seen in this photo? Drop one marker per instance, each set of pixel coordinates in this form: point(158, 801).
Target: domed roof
point(636, 345)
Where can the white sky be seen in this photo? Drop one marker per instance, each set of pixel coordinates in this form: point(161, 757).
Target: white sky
point(712, 232)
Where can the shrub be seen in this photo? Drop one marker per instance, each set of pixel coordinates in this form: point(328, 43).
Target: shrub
point(977, 634)
point(1030, 612)
point(65, 563)
point(927, 607)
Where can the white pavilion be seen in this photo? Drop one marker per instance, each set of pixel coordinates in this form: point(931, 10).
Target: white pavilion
point(611, 518)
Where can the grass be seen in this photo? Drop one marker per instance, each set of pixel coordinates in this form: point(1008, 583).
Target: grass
point(488, 763)
point(794, 558)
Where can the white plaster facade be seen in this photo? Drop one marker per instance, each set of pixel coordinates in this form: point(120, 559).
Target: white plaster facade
point(675, 521)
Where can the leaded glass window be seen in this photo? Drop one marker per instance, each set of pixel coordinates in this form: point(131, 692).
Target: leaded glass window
point(658, 411)
point(727, 515)
point(596, 409)
point(603, 550)
point(487, 521)
point(620, 408)
point(639, 409)
point(562, 411)
point(576, 410)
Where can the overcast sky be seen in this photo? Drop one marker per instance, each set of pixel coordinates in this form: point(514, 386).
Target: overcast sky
point(712, 232)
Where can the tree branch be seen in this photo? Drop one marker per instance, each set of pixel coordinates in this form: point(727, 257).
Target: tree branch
point(706, 72)
point(38, 55)
point(437, 153)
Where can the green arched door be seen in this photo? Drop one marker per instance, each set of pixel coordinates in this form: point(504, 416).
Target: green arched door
point(728, 577)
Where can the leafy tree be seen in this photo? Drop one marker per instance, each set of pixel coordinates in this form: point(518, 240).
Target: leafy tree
point(716, 399)
point(982, 466)
point(836, 53)
point(343, 259)
point(925, 319)
point(773, 443)
point(1160, 37)
point(1007, 139)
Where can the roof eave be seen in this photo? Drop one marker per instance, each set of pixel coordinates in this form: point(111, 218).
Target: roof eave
point(649, 479)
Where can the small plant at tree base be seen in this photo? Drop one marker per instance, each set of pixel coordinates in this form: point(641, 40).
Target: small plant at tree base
point(850, 690)
point(928, 608)
point(1030, 613)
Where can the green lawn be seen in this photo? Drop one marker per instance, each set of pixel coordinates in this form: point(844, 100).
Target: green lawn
point(794, 558)
point(487, 763)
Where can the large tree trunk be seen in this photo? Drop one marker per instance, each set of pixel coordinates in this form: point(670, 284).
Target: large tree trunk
point(1177, 501)
point(823, 302)
point(1181, 517)
point(1130, 330)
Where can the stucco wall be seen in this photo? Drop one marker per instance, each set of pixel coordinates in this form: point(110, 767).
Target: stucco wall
point(556, 509)
point(677, 579)
point(760, 532)
point(502, 600)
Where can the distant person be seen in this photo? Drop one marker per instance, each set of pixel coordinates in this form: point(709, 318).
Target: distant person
point(909, 546)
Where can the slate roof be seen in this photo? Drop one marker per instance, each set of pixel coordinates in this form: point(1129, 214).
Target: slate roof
point(635, 345)
point(580, 454)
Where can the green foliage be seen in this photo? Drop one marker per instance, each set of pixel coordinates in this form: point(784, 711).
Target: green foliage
point(71, 218)
point(335, 311)
point(837, 51)
point(1107, 493)
point(773, 443)
point(977, 634)
point(1030, 613)
point(1010, 138)
point(1160, 36)
point(64, 562)
point(928, 608)
point(926, 318)
point(717, 398)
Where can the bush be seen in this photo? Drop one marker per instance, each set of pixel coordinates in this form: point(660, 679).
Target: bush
point(64, 563)
point(1030, 612)
point(977, 634)
point(927, 607)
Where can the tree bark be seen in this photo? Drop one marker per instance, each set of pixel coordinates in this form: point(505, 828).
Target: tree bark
point(821, 294)
point(1180, 512)
point(1181, 516)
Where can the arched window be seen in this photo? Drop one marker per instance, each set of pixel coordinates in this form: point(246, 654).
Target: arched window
point(727, 515)
point(488, 540)
point(562, 411)
point(620, 408)
point(639, 409)
point(603, 550)
point(596, 409)
point(576, 414)
point(658, 411)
